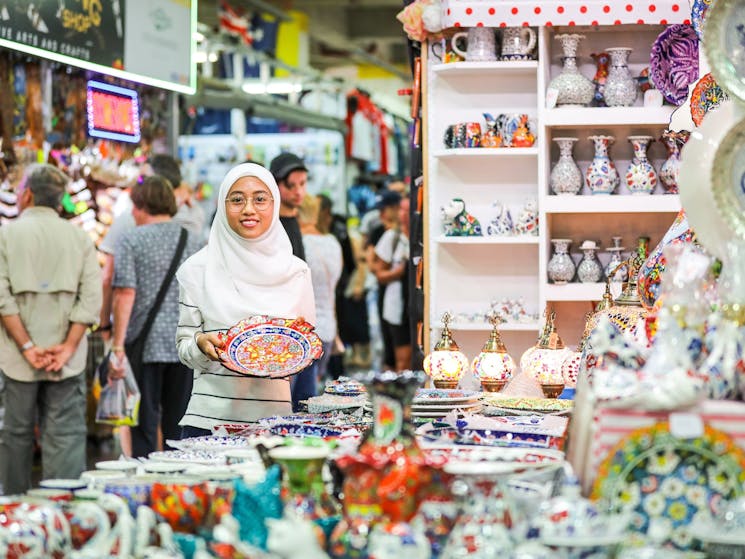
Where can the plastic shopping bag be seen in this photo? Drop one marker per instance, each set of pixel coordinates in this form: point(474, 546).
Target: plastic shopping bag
point(119, 403)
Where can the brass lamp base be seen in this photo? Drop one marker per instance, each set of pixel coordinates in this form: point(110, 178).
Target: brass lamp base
point(552, 390)
point(444, 384)
point(493, 385)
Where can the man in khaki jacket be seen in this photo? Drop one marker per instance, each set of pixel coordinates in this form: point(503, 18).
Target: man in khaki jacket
point(50, 292)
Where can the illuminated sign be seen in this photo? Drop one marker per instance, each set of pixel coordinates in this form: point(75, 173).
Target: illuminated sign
point(113, 112)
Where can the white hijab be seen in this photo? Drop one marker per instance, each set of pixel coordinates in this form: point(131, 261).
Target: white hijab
point(233, 278)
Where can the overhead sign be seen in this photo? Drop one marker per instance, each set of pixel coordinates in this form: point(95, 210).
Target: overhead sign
point(147, 41)
point(113, 112)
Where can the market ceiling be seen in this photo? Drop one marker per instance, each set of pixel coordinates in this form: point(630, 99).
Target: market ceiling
point(334, 25)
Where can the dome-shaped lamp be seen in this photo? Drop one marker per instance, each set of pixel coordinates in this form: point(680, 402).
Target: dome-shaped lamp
point(493, 366)
point(446, 364)
point(525, 357)
point(545, 363)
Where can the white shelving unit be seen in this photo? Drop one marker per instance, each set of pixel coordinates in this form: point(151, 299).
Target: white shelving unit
point(465, 274)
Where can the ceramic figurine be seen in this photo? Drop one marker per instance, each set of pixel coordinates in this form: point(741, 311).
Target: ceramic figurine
point(561, 266)
point(522, 137)
point(527, 221)
point(602, 59)
point(602, 176)
point(458, 222)
point(501, 224)
point(589, 269)
point(566, 178)
point(641, 178)
point(291, 537)
point(674, 141)
point(620, 86)
point(572, 88)
point(492, 137)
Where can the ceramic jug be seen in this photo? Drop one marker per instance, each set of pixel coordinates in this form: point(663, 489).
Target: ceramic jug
point(481, 44)
point(518, 43)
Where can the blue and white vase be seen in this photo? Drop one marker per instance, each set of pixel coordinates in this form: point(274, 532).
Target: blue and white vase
point(602, 176)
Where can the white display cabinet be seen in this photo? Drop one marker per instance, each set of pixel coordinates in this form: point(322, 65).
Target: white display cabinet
point(465, 274)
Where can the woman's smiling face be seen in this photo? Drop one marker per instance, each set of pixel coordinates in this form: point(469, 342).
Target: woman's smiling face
point(249, 207)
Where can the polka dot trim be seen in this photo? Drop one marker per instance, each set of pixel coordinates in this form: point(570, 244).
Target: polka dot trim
point(514, 13)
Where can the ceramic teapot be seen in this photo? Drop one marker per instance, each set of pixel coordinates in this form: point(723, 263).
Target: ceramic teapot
point(518, 43)
point(481, 44)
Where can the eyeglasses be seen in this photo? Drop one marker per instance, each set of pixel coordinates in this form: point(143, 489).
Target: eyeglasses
point(237, 202)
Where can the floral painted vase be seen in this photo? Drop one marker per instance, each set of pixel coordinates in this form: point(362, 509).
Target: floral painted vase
point(566, 178)
point(650, 275)
point(620, 86)
point(641, 177)
point(674, 141)
point(561, 266)
point(602, 59)
point(615, 260)
point(572, 87)
point(602, 176)
point(589, 269)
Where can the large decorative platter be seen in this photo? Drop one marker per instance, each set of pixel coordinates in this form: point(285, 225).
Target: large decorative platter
point(210, 443)
point(728, 179)
point(725, 44)
point(673, 63)
point(438, 395)
point(193, 456)
point(532, 458)
point(270, 347)
point(483, 437)
point(706, 96)
point(698, 16)
point(666, 482)
point(530, 404)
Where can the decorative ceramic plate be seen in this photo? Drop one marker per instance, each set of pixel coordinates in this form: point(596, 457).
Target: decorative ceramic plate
point(725, 44)
point(445, 407)
point(728, 179)
point(673, 64)
point(194, 456)
point(706, 96)
point(526, 457)
point(667, 482)
point(347, 387)
point(482, 437)
point(293, 430)
point(235, 428)
point(210, 442)
point(698, 16)
point(442, 413)
point(270, 347)
point(531, 404)
point(430, 395)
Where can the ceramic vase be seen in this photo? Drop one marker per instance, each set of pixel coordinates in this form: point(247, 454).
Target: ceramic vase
point(641, 178)
point(620, 86)
point(602, 176)
point(561, 266)
point(573, 89)
point(650, 274)
point(602, 59)
point(615, 260)
point(566, 178)
point(674, 141)
point(589, 269)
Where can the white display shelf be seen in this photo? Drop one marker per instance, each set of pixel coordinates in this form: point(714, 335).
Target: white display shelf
point(488, 240)
point(458, 153)
point(575, 292)
point(455, 69)
point(582, 117)
point(594, 204)
point(486, 327)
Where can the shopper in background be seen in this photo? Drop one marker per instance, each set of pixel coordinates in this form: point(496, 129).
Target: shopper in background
point(142, 260)
point(324, 257)
point(389, 204)
point(246, 269)
point(50, 293)
point(391, 268)
point(291, 176)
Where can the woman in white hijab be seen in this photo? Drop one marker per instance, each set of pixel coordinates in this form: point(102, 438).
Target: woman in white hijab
point(246, 269)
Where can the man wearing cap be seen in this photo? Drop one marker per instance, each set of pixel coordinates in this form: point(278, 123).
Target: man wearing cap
point(291, 175)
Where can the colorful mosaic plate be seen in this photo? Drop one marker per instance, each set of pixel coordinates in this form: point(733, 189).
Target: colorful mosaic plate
point(530, 404)
point(673, 64)
point(270, 347)
point(483, 437)
point(667, 483)
point(698, 16)
point(706, 96)
point(432, 395)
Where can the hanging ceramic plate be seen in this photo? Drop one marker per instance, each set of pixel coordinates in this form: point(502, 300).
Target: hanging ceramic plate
point(696, 180)
point(706, 96)
point(725, 44)
point(270, 347)
point(666, 482)
point(673, 64)
point(698, 16)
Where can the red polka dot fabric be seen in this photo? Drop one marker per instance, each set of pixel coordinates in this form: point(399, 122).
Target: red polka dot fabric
point(515, 13)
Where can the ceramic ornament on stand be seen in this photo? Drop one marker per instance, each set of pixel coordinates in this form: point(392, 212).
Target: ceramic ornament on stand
point(446, 364)
point(493, 366)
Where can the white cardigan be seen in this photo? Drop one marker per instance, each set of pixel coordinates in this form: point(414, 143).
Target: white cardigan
point(218, 394)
